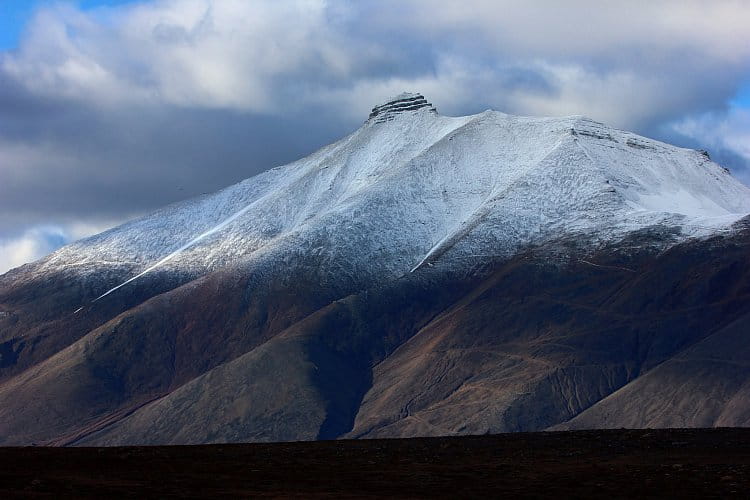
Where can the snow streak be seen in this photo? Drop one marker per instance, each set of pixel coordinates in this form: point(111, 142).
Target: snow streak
point(184, 247)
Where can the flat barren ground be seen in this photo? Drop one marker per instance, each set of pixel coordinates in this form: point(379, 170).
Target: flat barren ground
point(604, 463)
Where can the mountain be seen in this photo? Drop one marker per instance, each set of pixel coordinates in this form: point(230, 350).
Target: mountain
point(425, 275)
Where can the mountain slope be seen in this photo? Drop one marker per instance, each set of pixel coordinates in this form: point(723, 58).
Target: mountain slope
point(424, 275)
point(708, 385)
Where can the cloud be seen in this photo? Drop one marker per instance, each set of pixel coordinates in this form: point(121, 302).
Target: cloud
point(725, 132)
point(729, 130)
point(38, 241)
point(586, 30)
point(30, 245)
point(111, 112)
point(273, 57)
point(191, 53)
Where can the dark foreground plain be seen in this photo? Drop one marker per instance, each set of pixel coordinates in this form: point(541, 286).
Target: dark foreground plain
point(600, 463)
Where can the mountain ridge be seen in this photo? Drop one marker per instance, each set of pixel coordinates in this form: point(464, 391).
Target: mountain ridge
point(302, 303)
point(154, 252)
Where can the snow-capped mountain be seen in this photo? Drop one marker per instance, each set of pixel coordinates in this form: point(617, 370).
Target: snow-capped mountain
point(410, 199)
point(411, 187)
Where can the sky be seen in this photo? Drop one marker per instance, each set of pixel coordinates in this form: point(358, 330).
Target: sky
point(111, 109)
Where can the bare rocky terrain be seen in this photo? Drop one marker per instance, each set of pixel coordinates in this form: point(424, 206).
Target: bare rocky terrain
point(640, 339)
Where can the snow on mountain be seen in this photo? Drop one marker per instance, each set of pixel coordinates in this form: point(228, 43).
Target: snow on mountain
point(412, 188)
point(381, 287)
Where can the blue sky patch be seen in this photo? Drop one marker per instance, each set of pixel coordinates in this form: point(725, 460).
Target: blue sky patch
point(14, 14)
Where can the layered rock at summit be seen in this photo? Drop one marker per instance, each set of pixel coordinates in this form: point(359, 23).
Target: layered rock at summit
point(402, 103)
point(425, 275)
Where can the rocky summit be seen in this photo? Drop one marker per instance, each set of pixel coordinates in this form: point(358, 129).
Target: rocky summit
point(425, 275)
point(402, 103)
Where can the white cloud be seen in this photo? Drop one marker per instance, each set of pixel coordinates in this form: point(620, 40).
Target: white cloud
point(729, 131)
point(222, 54)
point(31, 245)
point(38, 241)
point(577, 29)
point(627, 62)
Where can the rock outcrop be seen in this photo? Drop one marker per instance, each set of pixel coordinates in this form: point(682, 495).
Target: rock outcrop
point(402, 103)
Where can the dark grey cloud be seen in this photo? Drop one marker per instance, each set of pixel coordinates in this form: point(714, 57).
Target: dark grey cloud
point(84, 162)
point(112, 113)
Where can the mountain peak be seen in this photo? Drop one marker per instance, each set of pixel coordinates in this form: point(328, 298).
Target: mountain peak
point(404, 102)
point(323, 268)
